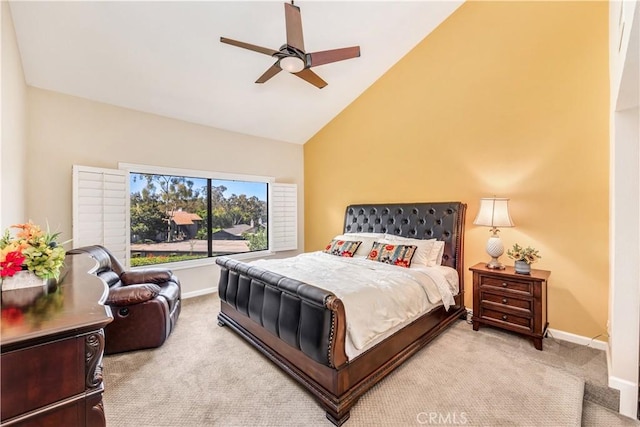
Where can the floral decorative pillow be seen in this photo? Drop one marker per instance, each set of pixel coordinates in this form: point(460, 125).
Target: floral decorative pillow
point(423, 255)
point(367, 240)
point(399, 255)
point(346, 248)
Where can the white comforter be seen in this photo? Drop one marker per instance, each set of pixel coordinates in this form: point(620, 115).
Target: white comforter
point(377, 297)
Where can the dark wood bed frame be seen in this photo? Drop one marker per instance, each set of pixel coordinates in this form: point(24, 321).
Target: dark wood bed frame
point(302, 328)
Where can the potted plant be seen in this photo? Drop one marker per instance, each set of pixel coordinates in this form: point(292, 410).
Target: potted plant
point(30, 258)
point(523, 257)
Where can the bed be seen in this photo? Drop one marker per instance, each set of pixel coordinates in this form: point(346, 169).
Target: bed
point(302, 328)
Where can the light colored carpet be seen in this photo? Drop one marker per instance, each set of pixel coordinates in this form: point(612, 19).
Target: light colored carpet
point(580, 360)
point(206, 375)
point(594, 415)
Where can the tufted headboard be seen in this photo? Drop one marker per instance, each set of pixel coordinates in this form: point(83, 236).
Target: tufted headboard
point(442, 220)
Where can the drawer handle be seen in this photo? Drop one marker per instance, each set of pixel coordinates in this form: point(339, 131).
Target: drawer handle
point(504, 300)
point(504, 317)
point(504, 284)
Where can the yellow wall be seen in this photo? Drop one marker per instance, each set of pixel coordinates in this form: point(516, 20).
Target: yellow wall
point(504, 98)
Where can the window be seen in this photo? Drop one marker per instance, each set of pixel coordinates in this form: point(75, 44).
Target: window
point(180, 218)
point(159, 215)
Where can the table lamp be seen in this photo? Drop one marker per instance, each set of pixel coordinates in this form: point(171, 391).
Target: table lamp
point(494, 213)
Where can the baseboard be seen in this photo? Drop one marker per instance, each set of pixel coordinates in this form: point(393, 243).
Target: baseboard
point(469, 314)
point(578, 339)
point(609, 362)
point(568, 336)
point(199, 292)
point(628, 396)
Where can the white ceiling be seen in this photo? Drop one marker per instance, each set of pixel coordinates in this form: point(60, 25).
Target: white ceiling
point(166, 58)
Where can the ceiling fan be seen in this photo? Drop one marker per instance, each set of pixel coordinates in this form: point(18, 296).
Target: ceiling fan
point(292, 57)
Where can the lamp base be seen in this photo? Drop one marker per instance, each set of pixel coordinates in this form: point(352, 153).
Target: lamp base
point(494, 264)
point(494, 250)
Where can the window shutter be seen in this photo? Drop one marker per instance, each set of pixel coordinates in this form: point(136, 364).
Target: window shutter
point(284, 212)
point(101, 210)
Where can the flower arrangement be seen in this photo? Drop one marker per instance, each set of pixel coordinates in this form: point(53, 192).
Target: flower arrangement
point(528, 254)
point(31, 249)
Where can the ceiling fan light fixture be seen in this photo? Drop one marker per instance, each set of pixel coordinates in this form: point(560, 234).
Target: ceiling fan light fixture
point(292, 64)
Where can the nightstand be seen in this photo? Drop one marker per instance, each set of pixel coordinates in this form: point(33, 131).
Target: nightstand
point(511, 301)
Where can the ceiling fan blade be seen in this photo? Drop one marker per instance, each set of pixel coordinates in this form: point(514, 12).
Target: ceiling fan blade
point(328, 56)
point(312, 78)
point(294, 26)
point(248, 46)
point(275, 69)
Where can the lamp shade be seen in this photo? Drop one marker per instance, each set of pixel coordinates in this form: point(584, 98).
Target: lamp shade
point(494, 212)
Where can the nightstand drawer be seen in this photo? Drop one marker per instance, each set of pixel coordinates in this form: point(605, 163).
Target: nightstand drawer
point(511, 301)
point(507, 284)
point(506, 300)
point(521, 321)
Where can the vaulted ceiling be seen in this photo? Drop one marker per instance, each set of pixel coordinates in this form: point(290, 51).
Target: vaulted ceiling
point(166, 58)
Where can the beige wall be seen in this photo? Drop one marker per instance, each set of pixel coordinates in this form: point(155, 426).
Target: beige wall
point(504, 98)
point(66, 130)
point(13, 142)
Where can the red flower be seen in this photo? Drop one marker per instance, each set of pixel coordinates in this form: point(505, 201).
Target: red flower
point(373, 254)
point(12, 315)
point(347, 254)
point(11, 264)
point(327, 248)
point(389, 247)
point(340, 242)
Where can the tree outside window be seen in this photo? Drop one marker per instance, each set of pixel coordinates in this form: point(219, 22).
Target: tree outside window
point(172, 219)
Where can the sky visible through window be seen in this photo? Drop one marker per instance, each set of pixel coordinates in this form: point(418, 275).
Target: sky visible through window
point(258, 189)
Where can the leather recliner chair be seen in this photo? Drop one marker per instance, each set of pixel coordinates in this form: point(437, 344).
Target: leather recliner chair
point(145, 303)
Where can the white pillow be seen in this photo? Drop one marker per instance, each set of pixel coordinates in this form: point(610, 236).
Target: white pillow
point(367, 240)
point(374, 235)
point(438, 251)
point(422, 256)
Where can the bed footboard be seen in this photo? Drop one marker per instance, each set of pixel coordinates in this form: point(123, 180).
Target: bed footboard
point(303, 316)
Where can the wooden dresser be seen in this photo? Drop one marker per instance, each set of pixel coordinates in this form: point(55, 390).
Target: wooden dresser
point(512, 301)
point(51, 345)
